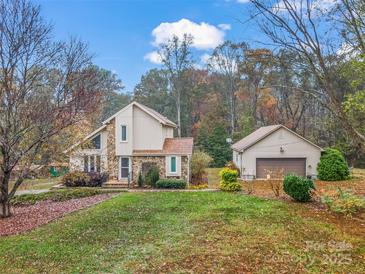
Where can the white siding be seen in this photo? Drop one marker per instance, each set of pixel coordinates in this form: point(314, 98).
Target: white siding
point(124, 118)
point(237, 158)
point(148, 132)
point(168, 132)
point(269, 147)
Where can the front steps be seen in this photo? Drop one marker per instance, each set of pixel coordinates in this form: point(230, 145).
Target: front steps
point(117, 184)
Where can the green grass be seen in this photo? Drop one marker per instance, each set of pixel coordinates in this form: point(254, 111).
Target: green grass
point(58, 195)
point(183, 232)
point(37, 184)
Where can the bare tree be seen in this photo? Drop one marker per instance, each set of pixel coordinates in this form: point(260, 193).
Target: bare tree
point(45, 87)
point(254, 71)
point(299, 26)
point(225, 60)
point(176, 57)
point(351, 15)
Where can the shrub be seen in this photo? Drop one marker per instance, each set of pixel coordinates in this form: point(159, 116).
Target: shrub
point(74, 179)
point(97, 179)
point(228, 175)
point(232, 165)
point(171, 183)
point(82, 179)
point(275, 180)
point(230, 186)
point(344, 202)
point(152, 176)
point(299, 188)
point(199, 162)
point(229, 180)
point(332, 166)
point(140, 180)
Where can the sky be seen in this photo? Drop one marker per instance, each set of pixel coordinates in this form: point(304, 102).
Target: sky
point(124, 34)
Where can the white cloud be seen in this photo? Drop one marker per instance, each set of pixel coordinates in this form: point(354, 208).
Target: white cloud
point(243, 1)
point(224, 26)
point(323, 6)
point(153, 57)
point(205, 58)
point(205, 36)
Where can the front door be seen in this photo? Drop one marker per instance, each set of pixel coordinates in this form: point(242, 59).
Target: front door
point(124, 171)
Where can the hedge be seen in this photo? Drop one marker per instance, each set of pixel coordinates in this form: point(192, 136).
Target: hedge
point(332, 166)
point(83, 179)
point(299, 188)
point(171, 183)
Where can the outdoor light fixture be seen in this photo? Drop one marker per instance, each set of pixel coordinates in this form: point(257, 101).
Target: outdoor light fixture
point(281, 150)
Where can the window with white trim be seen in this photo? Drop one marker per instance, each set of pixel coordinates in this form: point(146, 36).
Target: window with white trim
point(123, 133)
point(173, 168)
point(96, 142)
point(92, 163)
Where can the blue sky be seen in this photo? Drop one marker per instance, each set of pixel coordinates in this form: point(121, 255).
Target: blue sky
point(119, 32)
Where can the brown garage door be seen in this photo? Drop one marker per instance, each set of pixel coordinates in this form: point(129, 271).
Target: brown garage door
point(290, 165)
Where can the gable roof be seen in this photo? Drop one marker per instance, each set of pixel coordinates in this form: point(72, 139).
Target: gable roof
point(171, 146)
point(262, 133)
point(158, 116)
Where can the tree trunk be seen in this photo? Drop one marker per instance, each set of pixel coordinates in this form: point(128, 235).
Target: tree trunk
point(232, 106)
point(178, 110)
point(4, 195)
point(5, 209)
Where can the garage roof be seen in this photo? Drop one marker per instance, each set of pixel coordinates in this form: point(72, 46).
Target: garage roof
point(260, 134)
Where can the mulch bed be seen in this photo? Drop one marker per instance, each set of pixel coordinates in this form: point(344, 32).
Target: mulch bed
point(28, 217)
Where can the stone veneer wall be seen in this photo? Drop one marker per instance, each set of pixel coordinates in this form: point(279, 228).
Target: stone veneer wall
point(160, 161)
point(137, 165)
point(185, 168)
point(112, 158)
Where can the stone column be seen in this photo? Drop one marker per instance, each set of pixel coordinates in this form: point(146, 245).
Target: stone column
point(113, 160)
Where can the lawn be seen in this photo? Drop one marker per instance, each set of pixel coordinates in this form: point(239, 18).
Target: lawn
point(37, 184)
point(187, 232)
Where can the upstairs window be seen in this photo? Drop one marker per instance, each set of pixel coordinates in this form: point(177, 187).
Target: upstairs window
point(95, 142)
point(123, 133)
point(173, 164)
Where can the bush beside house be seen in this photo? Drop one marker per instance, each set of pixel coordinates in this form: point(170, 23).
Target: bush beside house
point(299, 188)
point(200, 161)
point(152, 176)
point(332, 166)
point(140, 180)
point(229, 180)
point(171, 183)
point(83, 179)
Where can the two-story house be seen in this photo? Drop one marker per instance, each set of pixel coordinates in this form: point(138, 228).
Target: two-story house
point(131, 141)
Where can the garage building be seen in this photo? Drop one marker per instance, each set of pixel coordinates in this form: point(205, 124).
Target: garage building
point(275, 147)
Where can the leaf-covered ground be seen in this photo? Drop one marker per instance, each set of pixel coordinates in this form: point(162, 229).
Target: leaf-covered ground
point(30, 216)
point(262, 188)
point(182, 232)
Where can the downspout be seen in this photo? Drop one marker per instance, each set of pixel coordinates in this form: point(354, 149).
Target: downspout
point(189, 167)
point(241, 167)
